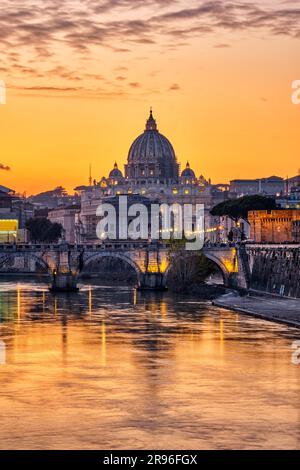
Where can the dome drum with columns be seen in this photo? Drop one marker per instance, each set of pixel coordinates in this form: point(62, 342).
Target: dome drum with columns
point(151, 161)
point(152, 166)
point(152, 156)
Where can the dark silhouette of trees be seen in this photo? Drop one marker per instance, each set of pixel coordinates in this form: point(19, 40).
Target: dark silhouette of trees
point(42, 230)
point(237, 209)
point(187, 268)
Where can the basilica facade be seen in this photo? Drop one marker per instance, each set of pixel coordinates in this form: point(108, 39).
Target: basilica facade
point(152, 171)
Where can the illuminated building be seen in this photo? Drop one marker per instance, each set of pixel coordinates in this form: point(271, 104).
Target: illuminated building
point(266, 186)
point(8, 230)
point(151, 171)
point(9, 221)
point(292, 200)
point(276, 226)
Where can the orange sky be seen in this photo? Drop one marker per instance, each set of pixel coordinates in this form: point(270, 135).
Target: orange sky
point(81, 77)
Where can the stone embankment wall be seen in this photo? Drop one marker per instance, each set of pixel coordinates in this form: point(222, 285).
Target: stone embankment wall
point(275, 270)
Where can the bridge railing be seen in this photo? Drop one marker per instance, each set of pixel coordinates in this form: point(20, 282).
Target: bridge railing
point(220, 246)
point(25, 246)
point(12, 247)
point(273, 246)
point(126, 245)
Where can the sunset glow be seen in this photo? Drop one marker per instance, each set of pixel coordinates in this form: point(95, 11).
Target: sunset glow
point(81, 76)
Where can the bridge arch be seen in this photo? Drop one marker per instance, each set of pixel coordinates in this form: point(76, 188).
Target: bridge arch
point(215, 259)
point(7, 261)
point(111, 254)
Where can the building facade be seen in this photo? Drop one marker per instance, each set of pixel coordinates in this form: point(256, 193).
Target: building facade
point(14, 213)
point(66, 217)
point(276, 226)
point(291, 200)
point(151, 171)
point(292, 184)
point(272, 186)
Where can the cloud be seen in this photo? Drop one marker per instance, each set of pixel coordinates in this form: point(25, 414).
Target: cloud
point(121, 68)
point(4, 167)
point(36, 34)
point(101, 6)
point(69, 92)
point(121, 49)
point(135, 85)
point(46, 88)
point(43, 24)
point(95, 76)
point(222, 46)
point(214, 16)
point(174, 87)
point(63, 72)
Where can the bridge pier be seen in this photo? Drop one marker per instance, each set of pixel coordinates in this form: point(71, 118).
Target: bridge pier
point(152, 281)
point(64, 282)
point(232, 281)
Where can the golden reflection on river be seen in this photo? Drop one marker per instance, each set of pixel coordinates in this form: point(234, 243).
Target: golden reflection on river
point(112, 368)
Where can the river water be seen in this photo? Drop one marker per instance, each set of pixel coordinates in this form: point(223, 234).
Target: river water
point(112, 368)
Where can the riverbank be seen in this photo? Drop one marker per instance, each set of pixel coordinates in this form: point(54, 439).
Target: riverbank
point(277, 309)
point(203, 291)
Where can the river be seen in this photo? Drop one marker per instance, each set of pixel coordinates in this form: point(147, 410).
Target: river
point(113, 368)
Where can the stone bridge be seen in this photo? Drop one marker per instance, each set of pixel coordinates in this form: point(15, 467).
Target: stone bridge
point(151, 262)
point(272, 268)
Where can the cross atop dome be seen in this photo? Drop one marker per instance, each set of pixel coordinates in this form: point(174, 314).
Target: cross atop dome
point(151, 123)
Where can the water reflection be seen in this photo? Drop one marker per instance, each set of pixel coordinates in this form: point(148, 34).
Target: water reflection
point(111, 367)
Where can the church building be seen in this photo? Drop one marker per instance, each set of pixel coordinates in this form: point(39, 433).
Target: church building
point(152, 171)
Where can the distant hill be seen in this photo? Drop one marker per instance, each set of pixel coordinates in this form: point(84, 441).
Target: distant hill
point(54, 198)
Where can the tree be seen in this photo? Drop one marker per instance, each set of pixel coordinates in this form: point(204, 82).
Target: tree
point(237, 209)
point(42, 230)
point(187, 268)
